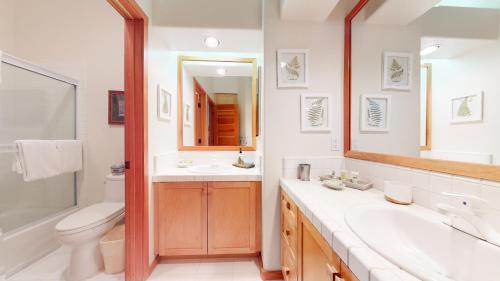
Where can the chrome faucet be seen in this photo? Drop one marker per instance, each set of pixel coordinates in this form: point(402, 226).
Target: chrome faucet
point(473, 211)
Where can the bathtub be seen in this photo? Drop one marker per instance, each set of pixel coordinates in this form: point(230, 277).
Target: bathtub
point(23, 246)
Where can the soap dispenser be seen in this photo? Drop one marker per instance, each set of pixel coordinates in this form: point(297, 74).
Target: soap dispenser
point(241, 158)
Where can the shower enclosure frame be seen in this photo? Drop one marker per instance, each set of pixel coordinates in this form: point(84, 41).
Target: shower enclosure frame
point(40, 226)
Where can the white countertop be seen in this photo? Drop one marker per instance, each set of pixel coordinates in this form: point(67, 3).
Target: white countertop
point(183, 174)
point(325, 208)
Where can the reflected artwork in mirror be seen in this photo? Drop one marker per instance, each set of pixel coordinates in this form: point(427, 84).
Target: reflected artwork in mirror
point(438, 67)
point(217, 100)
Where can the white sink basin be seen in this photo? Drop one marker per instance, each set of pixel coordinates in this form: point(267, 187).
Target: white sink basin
point(211, 169)
point(418, 242)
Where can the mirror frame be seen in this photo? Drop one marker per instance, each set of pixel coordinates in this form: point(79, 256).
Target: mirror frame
point(479, 171)
point(180, 108)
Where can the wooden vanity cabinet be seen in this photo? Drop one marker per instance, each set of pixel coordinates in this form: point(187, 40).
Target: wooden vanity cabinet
point(307, 256)
point(207, 218)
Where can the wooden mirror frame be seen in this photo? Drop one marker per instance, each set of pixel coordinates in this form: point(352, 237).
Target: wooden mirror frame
point(479, 171)
point(180, 109)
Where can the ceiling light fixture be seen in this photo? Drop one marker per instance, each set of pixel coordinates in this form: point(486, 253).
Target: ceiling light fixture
point(429, 50)
point(221, 71)
point(211, 42)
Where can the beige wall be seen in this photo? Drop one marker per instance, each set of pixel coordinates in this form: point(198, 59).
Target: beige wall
point(82, 40)
point(282, 136)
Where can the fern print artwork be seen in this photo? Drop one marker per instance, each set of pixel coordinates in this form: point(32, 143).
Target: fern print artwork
point(314, 112)
point(397, 71)
point(375, 113)
point(292, 68)
point(467, 108)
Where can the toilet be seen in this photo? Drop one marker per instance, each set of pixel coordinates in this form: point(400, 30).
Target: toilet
point(82, 230)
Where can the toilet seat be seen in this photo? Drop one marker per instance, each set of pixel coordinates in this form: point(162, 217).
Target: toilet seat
point(90, 217)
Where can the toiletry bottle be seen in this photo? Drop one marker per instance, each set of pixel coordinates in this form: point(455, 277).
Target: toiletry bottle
point(241, 157)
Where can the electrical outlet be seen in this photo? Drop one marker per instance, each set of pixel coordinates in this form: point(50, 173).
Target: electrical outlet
point(335, 144)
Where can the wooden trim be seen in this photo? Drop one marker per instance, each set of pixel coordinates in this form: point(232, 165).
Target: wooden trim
point(480, 171)
point(137, 267)
point(207, 257)
point(269, 275)
point(180, 108)
point(428, 109)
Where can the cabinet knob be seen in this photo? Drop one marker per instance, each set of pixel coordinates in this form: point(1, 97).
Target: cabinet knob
point(286, 270)
point(287, 232)
point(332, 272)
point(288, 206)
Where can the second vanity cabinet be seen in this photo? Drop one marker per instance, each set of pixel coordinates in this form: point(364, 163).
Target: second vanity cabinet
point(305, 254)
point(207, 218)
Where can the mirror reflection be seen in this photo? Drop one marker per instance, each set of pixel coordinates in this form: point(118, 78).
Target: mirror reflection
point(218, 103)
point(425, 83)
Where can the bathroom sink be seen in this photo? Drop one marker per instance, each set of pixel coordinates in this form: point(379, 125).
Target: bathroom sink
point(210, 169)
point(417, 241)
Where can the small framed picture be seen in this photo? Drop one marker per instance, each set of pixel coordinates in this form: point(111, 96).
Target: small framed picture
point(116, 107)
point(187, 115)
point(293, 68)
point(466, 109)
point(397, 71)
point(164, 101)
point(315, 113)
point(375, 113)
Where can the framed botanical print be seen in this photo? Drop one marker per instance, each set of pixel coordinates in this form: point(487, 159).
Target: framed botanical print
point(375, 113)
point(315, 113)
point(164, 101)
point(397, 71)
point(466, 109)
point(116, 107)
point(293, 68)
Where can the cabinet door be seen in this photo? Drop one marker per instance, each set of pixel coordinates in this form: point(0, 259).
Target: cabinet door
point(233, 215)
point(182, 218)
point(317, 259)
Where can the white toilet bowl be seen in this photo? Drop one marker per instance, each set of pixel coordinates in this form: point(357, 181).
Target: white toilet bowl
point(81, 231)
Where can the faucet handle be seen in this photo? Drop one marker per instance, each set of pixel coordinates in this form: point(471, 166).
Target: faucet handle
point(470, 201)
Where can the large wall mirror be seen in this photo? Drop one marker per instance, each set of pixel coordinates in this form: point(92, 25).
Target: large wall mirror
point(422, 85)
point(217, 103)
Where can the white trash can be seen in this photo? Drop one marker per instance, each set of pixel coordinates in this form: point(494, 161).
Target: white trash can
point(113, 250)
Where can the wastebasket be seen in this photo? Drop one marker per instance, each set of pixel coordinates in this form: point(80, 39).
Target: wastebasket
point(113, 250)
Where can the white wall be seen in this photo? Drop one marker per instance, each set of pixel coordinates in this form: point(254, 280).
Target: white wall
point(472, 72)
point(82, 40)
point(282, 136)
point(368, 44)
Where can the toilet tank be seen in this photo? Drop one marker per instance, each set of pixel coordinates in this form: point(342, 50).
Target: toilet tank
point(114, 188)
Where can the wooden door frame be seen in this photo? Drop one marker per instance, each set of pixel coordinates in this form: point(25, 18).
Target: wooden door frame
point(137, 267)
point(200, 116)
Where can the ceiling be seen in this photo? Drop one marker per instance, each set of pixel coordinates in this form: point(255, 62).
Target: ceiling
point(209, 69)
point(485, 4)
point(310, 10)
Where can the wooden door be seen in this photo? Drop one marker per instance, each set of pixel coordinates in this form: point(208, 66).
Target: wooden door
point(211, 121)
point(233, 218)
point(227, 124)
point(318, 262)
point(200, 115)
point(182, 218)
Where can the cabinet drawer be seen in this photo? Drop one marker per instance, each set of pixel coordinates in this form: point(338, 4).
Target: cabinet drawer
point(289, 267)
point(289, 237)
point(289, 209)
point(346, 274)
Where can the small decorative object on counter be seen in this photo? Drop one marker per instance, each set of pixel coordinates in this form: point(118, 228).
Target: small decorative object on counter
point(243, 162)
point(330, 176)
point(184, 163)
point(344, 175)
point(398, 192)
point(334, 184)
point(304, 171)
point(360, 184)
point(118, 169)
point(354, 177)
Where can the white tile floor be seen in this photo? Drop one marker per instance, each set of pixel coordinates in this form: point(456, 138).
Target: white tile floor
point(51, 268)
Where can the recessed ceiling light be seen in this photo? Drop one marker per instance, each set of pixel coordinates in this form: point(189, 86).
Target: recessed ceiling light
point(211, 42)
point(429, 50)
point(221, 71)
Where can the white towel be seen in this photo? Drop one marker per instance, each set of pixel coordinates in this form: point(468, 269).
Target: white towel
point(39, 159)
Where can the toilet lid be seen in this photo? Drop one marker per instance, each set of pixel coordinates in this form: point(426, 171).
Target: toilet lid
point(90, 217)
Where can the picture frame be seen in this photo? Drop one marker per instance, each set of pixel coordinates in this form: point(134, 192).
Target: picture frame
point(164, 104)
point(375, 113)
point(187, 115)
point(292, 66)
point(397, 71)
point(315, 112)
point(467, 108)
point(116, 107)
